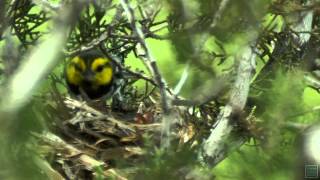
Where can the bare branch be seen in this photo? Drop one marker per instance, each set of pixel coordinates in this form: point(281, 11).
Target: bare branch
point(224, 136)
point(152, 66)
point(148, 58)
point(221, 139)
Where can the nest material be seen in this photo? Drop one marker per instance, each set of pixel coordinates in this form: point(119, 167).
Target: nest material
point(91, 143)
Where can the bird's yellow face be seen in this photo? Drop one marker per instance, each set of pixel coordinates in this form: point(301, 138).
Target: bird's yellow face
point(91, 73)
point(74, 71)
point(102, 70)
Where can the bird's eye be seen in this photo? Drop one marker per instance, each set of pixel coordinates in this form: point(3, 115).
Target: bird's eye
point(77, 67)
point(99, 68)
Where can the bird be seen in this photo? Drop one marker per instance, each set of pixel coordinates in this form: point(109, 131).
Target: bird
point(90, 75)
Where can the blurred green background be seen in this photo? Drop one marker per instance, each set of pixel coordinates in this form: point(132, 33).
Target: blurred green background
point(289, 99)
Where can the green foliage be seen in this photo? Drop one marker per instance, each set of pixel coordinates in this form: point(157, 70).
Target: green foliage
point(286, 102)
point(279, 94)
point(168, 164)
point(20, 162)
point(250, 162)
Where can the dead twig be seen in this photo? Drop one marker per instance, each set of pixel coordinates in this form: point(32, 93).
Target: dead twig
point(68, 150)
point(147, 57)
point(152, 66)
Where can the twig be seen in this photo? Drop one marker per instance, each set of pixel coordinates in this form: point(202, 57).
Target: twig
point(217, 15)
point(133, 73)
point(182, 80)
point(4, 20)
point(295, 126)
point(72, 103)
point(311, 110)
point(203, 38)
point(68, 150)
point(149, 59)
point(124, 125)
point(312, 82)
point(108, 34)
point(152, 66)
point(221, 139)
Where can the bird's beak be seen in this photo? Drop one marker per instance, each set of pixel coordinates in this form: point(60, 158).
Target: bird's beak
point(88, 78)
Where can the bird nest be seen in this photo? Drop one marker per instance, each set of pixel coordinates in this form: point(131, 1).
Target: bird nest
point(89, 140)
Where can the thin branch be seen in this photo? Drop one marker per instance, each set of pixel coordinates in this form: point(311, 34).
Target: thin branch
point(72, 103)
point(295, 126)
point(182, 81)
point(312, 82)
point(4, 20)
point(218, 13)
point(203, 38)
point(222, 138)
point(148, 58)
point(133, 73)
point(68, 150)
point(152, 66)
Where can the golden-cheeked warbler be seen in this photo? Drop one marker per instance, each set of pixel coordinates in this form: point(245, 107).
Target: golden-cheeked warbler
point(91, 75)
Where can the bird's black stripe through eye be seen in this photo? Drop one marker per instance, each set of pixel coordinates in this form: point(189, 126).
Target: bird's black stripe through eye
point(100, 68)
point(77, 67)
